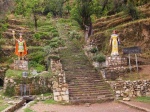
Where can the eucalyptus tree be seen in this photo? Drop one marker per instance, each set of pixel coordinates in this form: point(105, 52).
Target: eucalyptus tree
point(5, 6)
point(30, 8)
point(81, 12)
point(56, 7)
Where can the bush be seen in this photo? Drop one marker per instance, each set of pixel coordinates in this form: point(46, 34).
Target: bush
point(56, 42)
point(37, 36)
point(94, 50)
point(13, 73)
point(9, 91)
point(54, 57)
point(74, 35)
point(55, 34)
point(37, 56)
point(40, 35)
point(131, 10)
point(37, 66)
point(99, 58)
point(49, 15)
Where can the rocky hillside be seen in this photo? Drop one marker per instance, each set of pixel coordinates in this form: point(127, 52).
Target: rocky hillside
point(132, 32)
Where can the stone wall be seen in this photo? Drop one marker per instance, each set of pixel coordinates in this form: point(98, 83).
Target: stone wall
point(60, 87)
point(14, 107)
point(128, 89)
point(27, 86)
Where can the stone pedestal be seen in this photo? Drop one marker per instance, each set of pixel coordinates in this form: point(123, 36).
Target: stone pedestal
point(116, 61)
point(20, 65)
point(115, 67)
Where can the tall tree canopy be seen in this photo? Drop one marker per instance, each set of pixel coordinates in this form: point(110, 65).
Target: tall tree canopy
point(56, 7)
point(30, 7)
point(5, 5)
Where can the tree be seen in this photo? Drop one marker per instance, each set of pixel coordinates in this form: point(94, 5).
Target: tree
point(30, 7)
point(55, 7)
point(5, 5)
point(82, 12)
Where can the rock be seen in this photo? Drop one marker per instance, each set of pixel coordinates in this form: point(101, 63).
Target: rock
point(65, 97)
point(118, 92)
point(96, 64)
point(126, 99)
point(38, 98)
point(11, 102)
point(139, 93)
point(87, 104)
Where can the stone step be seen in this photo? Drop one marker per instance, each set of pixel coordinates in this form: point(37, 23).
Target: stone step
point(87, 85)
point(89, 91)
point(92, 93)
point(86, 77)
point(78, 101)
point(75, 82)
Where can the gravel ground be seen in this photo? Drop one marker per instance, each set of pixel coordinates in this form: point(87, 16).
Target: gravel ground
point(103, 107)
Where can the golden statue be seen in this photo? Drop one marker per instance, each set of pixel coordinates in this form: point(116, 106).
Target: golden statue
point(114, 42)
point(20, 46)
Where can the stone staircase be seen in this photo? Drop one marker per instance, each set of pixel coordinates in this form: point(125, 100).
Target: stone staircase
point(85, 83)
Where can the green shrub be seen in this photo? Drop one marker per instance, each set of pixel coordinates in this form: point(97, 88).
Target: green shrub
point(37, 66)
point(99, 58)
point(37, 36)
point(54, 57)
point(49, 15)
point(56, 42)
point(37, 56)
point(40, 35)
point(131, 10)
point(74, 35)
point(55, 34)
point(13, 73)
point(54, 30)
point(94, 50)
point(10, 91)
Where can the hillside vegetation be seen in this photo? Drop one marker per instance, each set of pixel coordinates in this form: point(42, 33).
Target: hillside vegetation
point(131, 32)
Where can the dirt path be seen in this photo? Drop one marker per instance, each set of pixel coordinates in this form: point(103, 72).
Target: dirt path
point(103, 107)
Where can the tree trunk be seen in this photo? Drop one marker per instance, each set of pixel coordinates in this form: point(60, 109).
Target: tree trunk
point(35, 21)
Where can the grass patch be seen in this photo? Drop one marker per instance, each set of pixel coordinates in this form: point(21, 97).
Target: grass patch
point(51, 101)
point(135, 76)
point(13, 73)
point(144, 99)
point(2, 107)
point(28, 110)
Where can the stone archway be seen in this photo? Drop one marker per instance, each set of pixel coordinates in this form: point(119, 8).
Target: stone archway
point(1, 83)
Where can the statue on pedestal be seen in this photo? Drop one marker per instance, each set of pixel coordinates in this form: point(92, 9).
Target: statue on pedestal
point(114, 42)
point(20, 46)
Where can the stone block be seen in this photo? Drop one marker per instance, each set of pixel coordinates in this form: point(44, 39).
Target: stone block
point(65, 97)
point(67, 92)
point(63, 93)
point(118, 92)
point(56, 98)
point(64, 89)
point(60, 98)
point(100, 96)
point(20, 65)
point(56, 93)
point(126, 99)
